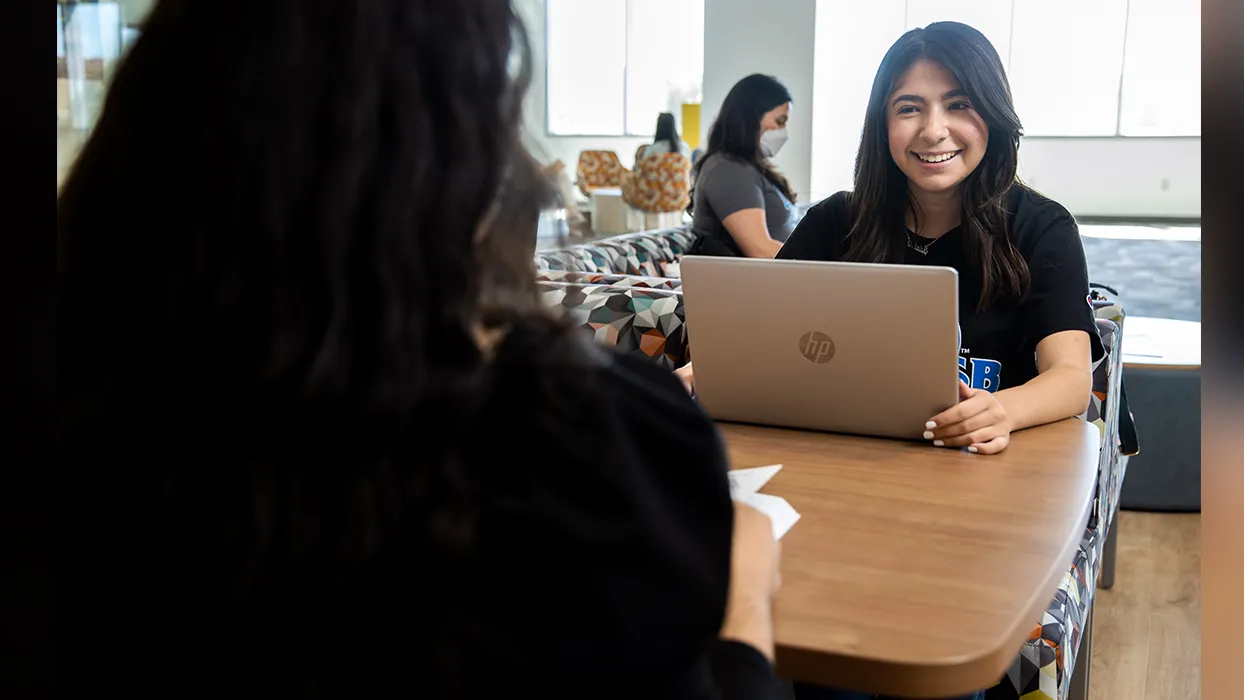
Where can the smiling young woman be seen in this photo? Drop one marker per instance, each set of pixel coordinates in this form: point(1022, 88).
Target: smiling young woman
point(936, 184)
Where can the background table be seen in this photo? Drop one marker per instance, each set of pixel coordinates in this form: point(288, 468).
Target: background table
point(1161, 343)
point(916, 569)
point(609, 211)
point(1162, 369)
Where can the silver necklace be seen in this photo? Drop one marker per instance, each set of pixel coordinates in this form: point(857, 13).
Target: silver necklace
point(921, 249)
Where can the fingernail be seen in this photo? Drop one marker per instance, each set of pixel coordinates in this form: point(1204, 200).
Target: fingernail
point(973, 450)
point(928, 435)
point(938, 443)
point(930, 425)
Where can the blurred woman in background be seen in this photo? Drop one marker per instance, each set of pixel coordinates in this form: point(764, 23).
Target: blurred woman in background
point(666, 139)
point(345, 446)
point(741, 205)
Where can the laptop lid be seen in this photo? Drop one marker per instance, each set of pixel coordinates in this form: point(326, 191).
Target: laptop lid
point(859, 348)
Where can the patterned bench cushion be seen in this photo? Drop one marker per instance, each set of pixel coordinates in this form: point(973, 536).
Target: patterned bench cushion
point(649, 323)
point(610, 280)
point(1045, 663)
point(647, 254)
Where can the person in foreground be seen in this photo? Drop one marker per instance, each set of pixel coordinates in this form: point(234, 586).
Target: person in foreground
point(741, 205)
point(326, 442)
point(936, 184)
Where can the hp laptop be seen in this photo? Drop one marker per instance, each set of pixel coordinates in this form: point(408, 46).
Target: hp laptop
point(858, 348)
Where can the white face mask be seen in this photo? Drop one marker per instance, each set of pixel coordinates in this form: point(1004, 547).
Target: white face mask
point(771, 141)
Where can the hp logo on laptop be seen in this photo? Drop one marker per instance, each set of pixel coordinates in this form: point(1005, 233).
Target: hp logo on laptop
point(816, 347)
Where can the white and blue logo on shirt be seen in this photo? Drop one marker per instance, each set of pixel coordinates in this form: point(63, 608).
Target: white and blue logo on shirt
point(977, 372)
point(980, 373)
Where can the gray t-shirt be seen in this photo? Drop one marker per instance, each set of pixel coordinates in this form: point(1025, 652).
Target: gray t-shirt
point(726, 185)
point(663, 146)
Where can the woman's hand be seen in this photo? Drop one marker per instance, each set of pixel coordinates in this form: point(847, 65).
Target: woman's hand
point(685, 375)
point(978, 422)
point(755, 577)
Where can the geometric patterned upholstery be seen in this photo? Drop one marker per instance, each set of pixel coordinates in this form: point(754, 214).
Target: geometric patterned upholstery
point(646, 254)
point(660, 183)
point(643, 322)
point(599, 169)
point(1043, 669)
point(1046, 661)
point(670, 283)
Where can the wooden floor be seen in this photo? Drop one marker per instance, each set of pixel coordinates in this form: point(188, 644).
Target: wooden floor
point(1147, 631)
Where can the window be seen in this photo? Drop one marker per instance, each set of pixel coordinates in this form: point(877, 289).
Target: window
point(991, 17)
point(92, 31)
point(1091, 67)
point(1161, 93)
point(613, 65)
point(1066, 59)
point(586, 66)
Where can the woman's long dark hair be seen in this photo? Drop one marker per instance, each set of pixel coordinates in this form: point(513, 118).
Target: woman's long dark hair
point(278, 252)
point(881, 198)
point(667, 130)
point(736, 130)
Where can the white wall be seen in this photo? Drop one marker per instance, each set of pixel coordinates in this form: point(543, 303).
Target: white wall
point(742, 37)
point(566, 148)
point(1121, 177)
point(1090, 176)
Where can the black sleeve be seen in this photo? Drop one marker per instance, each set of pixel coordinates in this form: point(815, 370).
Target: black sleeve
point(1058, 296)
point(816, 236)
point(611, 540)
point(738, 670)
point(741, 672)
point(680, 463)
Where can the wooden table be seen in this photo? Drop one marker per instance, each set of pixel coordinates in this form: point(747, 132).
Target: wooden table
point(919, 571)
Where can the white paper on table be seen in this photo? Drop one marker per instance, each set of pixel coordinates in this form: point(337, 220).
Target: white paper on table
point(782, 514)
point(745, 482)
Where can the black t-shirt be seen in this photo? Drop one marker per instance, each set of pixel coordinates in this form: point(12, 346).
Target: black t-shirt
point(614, 542)
point(595, 564)
point(998, 345)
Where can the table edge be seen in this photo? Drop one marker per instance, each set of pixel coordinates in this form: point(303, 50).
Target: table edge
point(949, 676)
point(1162, 367)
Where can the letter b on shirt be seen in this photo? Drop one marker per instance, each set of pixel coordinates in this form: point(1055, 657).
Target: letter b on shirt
point(980, 373)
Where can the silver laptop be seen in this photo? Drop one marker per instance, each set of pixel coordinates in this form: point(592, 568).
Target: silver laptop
point(842, 347)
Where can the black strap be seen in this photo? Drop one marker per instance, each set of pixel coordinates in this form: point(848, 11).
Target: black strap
point(1129, 444)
